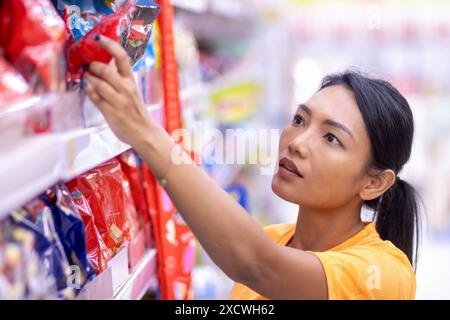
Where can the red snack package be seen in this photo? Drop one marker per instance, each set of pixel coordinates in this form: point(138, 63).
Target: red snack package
point(34, 42)
point(103, 189)
point(86, 50)
point(129, 163)
point(12, 85)
point(98, 253)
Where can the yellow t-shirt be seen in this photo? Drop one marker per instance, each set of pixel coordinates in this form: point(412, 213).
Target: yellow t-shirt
point(362, 267)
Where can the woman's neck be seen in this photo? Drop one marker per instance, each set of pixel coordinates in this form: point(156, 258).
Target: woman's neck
point(319, 230)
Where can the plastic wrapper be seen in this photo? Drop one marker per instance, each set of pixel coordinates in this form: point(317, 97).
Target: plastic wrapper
point(98, 252)
point(13, 86)
point(37, 218)
point(102, 187)
point(37, 53)
point(148, 78)
point(135, 38)
point(86, 50)
point(22, 273)
point(70, 229)
point(130, 164)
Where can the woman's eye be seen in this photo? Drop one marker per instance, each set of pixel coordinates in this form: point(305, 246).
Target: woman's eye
point(331, 138)
point(297, 120)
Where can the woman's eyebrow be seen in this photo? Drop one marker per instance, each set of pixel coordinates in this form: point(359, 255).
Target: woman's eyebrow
point(305, 108)
point(339, 126)
point(333, 123)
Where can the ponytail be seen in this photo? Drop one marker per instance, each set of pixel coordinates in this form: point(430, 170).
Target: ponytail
point(397, 218)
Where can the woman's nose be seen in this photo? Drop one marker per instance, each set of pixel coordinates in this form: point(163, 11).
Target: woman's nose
point(299, 145)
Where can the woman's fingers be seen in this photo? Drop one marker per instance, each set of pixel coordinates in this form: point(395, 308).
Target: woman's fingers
point(103, 89)
point(119, 54)
point(97, 100)
point(107, 73)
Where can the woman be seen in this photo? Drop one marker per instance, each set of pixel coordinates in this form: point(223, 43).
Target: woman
point(343, 149)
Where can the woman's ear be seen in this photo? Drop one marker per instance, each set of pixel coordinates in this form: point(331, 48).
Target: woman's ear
point(377, 185)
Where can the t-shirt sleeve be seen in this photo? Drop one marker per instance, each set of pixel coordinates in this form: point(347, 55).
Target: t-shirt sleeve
point(366, 274)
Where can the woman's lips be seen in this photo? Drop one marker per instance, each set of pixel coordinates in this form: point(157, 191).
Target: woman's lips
point(288, 168)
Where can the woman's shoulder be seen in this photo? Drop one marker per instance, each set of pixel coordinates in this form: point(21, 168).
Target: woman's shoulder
point(280, 231)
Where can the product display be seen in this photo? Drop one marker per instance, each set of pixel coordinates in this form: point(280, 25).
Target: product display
point(86, 49)
point(38, 55)
point(70, 229)
point(139, 29)
point(97, 251)
point(37, 218)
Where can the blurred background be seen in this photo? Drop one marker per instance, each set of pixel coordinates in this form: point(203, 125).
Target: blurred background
point(256, 60)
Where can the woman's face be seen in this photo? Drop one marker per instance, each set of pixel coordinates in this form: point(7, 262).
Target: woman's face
point(323, 152)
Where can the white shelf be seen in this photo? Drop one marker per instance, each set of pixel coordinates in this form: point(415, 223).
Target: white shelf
point(198, 6)
point(33, 164)
point(115, 283)
point(26, 170)
point(36, 163)
point(140, 280)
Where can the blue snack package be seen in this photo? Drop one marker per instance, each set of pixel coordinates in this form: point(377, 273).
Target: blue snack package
point(36, 217)
point(70, 229)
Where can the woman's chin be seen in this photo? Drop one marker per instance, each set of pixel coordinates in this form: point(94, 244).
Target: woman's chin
point(285, 191)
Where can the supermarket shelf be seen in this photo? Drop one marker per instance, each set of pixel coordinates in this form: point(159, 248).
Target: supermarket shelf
point(116, 283)
point(26, 170)
point(140, 280)
point(86, 148)
point(198, 6)
point(36, 163)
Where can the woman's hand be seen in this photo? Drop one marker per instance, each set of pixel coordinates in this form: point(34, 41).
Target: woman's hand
point(112, 88)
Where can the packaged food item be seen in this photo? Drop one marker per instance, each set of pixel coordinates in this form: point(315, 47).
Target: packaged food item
point(86, 50)
point(38, 53)
point(130, 164)
point(98, 253)
point(135, 38)
point(13, 86)
point(70, 229)
point(37, 218)
point(102, 187)
point(80, 17)
point(148, 77)
point(22, 273)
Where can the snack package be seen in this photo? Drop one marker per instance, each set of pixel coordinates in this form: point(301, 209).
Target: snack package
point(22, 273)
point(135, 38)
point(37, 218)
point(130, 164)
point(13, 86)
point(79, 16)
point(38, 52)
point(148, 78)
point(86, 50)
point(98, 253)
point(102, 187)
point(70, 229)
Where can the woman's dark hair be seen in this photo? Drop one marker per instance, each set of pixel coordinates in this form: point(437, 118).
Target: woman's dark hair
point(390, 127)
